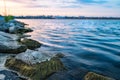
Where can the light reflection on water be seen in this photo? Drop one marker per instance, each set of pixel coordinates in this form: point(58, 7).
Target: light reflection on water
point(92, 44)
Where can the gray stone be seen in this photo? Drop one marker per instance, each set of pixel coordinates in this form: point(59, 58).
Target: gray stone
point(14, 27)
point(38, 71)
point(8, 44)
point(33, 57)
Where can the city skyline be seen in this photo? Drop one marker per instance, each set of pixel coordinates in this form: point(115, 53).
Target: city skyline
point(62, 7)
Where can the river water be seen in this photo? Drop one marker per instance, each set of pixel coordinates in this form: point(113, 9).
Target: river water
point(91, 44)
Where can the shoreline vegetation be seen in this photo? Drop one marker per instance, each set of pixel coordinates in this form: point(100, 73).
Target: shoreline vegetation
point(29, 62)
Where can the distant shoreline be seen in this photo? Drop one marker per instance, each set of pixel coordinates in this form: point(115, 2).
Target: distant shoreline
point(74, 19)
point(64, 17)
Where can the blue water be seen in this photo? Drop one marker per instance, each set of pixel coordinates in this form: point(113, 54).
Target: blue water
point(91, 44)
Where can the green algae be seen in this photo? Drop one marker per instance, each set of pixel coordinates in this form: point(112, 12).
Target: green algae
point(39, 71)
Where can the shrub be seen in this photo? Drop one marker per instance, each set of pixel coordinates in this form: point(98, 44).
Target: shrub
point(8, 18)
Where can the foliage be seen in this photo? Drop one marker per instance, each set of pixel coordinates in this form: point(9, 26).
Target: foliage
point(8, 18)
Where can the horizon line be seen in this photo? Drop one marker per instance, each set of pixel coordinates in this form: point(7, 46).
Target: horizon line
point(62, 16)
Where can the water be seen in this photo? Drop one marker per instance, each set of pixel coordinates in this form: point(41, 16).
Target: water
point(92, 44)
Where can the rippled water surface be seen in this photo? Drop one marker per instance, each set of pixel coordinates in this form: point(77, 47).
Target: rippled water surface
point(92, 44)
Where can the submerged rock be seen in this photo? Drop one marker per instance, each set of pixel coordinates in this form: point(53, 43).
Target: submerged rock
point(31, 44)
point(60, 55)
point(94, 76)
point(9, 75)
point(38, 71)
point(8, 44)
point(75, 74)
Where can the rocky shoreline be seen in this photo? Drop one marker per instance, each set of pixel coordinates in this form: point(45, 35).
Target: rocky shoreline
point(31, 63)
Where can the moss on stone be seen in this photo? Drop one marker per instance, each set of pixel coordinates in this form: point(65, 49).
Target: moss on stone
point(60, 55)
point(23, 30)
point(39, 71)
point(31, 44)
point(94, 76)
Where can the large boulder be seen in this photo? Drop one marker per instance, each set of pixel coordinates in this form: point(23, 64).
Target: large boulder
point(8, 44)
point(94, 76)
point(33, 57)
point(31, 44)
point(38, 71)
point(15, 27)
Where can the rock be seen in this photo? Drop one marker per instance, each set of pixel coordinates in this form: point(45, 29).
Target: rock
point(22, 37)
point(8, 44)
point(22, 30)
point(59, 55)
point(7, 37)
point(33, 57)
point(9, 75)
point(12, 48)
point(61, 76)
point(75, 74)
point(2, 77)
point(18, 23)
point(39, 71)
point(31, 44)
point(14, 27)
point(4, 27)
point(94, 76)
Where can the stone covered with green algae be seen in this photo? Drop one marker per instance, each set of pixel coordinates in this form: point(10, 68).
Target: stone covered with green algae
point(94, 76)
point(31, 44)
point(22, 31)
point(39, 71)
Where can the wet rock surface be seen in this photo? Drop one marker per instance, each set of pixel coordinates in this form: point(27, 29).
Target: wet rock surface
point(31, 44)
point(60, 55)
point(14, 27)
point(38, 71)
point(76, 74)
point(9, 75)
point(8, 44)
point(33, 57)
point(94, 76)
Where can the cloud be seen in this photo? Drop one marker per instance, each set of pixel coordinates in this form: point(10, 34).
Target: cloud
point(92, 1)
point(65, 3)
point(63, 7)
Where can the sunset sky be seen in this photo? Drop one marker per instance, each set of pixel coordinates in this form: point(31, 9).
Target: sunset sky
point(62, 7)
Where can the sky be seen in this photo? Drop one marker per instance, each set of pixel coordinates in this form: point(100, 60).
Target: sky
point(98, 8)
